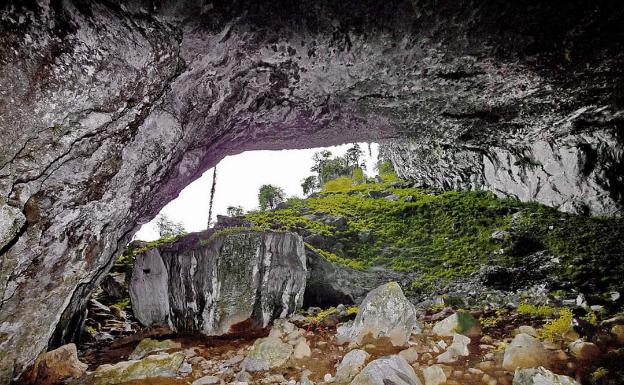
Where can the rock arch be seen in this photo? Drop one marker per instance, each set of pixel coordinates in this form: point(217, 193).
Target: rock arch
point(108, 109)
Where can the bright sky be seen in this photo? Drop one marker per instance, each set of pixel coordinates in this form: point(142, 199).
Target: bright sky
point(239, 178)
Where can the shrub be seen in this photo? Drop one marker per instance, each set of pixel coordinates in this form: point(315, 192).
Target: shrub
point(556, 329)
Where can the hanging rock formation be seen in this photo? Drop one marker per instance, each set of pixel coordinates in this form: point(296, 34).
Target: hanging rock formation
point(578, 173)
point(209, 283)
point(108, 109)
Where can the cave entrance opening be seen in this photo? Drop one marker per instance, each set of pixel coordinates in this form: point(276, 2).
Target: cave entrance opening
point(239, 179)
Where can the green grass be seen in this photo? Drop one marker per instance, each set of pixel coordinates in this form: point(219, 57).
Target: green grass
point(447, 235)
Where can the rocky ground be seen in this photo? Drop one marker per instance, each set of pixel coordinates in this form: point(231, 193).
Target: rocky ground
point(387, 340)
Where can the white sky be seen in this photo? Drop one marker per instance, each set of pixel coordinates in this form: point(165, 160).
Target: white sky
point(239, 178)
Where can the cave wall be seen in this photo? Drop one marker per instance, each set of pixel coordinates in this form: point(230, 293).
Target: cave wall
point(580, 173)
point(109, 108)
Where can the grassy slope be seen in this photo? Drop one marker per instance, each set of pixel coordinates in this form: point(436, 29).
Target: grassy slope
point(447, 235)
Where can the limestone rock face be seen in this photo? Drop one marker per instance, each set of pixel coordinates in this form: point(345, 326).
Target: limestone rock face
point(577, 173)
point(541, 376)
point(109, 110)
point(385, 312)
point(525, 351)
point(209, 283)
point(387, 370)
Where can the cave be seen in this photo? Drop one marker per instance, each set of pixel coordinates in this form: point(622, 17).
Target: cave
point(109, 109)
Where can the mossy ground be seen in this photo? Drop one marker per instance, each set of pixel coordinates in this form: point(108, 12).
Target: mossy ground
point(446, 235)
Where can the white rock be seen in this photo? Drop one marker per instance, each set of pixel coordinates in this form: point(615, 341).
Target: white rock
point(385, 312)
point(267, 353)
point(525, 351)
point(387, 370)
point(585, 351)
point(207, 380)
point(460, 322)
point(410, 354)
point(351, 364)
point(434, 375)
point(540, 376)
point(302, 350)
point(458, 348)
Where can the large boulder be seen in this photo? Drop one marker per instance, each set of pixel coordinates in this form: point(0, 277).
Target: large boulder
point(541, 376)
point(56, 366)
point(387, 370)
point(525, 351)
point(209, 283)
point(385, 312)
point(161, 365)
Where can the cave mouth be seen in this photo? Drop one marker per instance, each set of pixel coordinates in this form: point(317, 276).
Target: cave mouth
point(110, 110)
point(240, 176)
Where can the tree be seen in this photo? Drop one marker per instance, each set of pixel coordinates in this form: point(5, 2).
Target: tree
point(309, 185)
point(270, 196)
point(212, 195)
point(319, 159)
point(235, 211)
point(334, 168)
point(167, 228)
point(353, 155)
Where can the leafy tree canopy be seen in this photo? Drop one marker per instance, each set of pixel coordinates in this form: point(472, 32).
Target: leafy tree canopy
point(270, 196)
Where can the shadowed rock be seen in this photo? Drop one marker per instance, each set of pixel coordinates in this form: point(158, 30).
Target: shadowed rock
point(210, 285)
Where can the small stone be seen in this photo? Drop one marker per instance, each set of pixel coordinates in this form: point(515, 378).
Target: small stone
point(234, 360)
point(530, 330)
point(434, 375)
point(243, 376)
point(302, 350)
point(267, 353)
point(207, 380)
point(460, 322)
point(387, 370)
point(410, 354)
point(525, 352)
point(618, 332)
point(485, 365)
point(328, 377)
point(185, 369)
point(56, 366)
point(585, 351)
point(149, 345)
point(540, 376)
point(351, 365)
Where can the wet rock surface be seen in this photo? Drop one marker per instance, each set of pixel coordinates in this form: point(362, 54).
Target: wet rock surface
point(210, 285)
point(108, 111)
